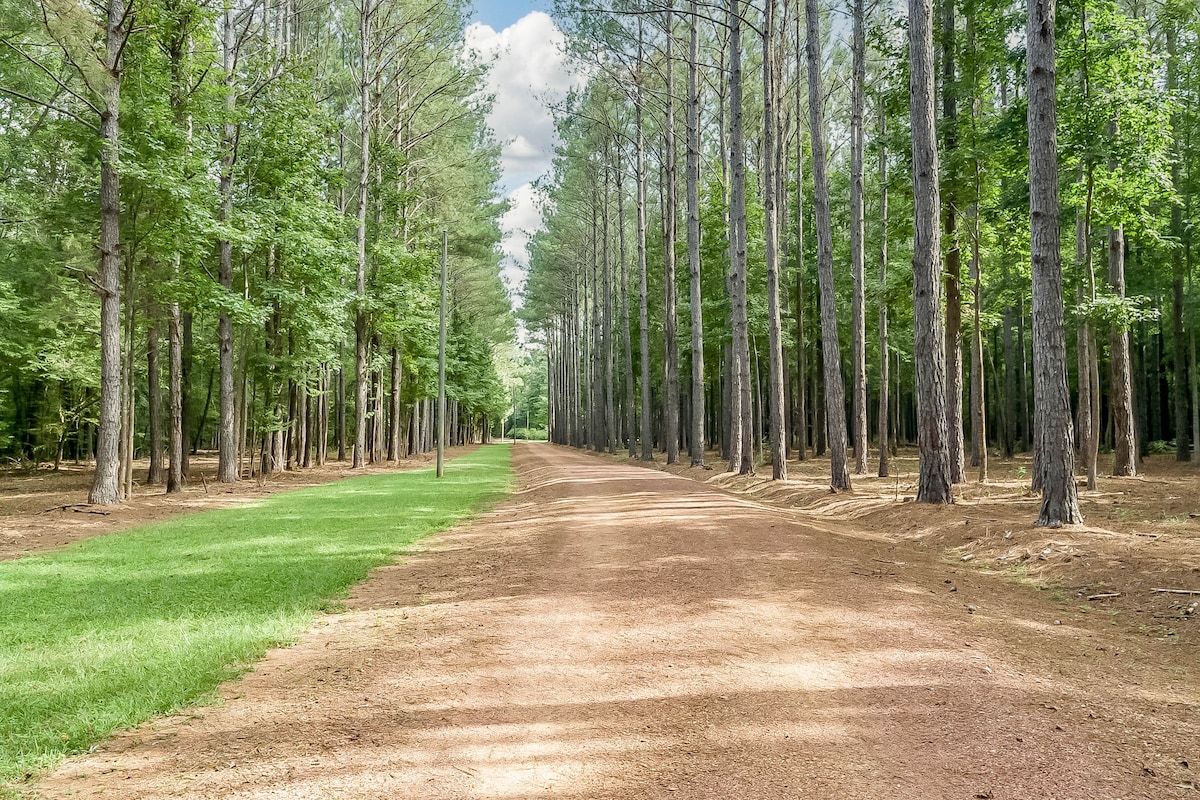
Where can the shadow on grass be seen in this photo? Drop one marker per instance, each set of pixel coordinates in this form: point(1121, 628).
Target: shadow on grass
point(118, 628)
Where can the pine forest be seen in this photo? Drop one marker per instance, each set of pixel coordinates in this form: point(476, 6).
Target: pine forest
point(222, 232)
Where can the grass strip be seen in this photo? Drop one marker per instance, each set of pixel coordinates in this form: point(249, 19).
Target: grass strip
point(113, 630)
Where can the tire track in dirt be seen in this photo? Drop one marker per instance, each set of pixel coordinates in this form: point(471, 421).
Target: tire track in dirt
point(616, 632)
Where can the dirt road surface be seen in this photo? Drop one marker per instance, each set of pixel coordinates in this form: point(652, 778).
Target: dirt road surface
point(615, 632)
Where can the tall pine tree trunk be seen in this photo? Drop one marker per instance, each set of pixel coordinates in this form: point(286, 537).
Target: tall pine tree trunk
point(954, 366)
point(928, 345)
point(858, 324)
point(154, 474)
point(175, 381)
point(106, 482)
point(1060, 503)
point(227, 471)
point(670, 226)
point(771, 143)
point(626, 340)
point(883, 295)
point(696, 440)
point(801, 408)
point(643, 309)
point(360, 317)
point(742, 411)
point(835, 388)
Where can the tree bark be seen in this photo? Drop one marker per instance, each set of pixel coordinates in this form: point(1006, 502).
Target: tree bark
point(770, 145)
point(643, 309)
point(696, 440)
point(175, 379)
point(835, 388)
point(742, 420)
point(670, 227)
point(360, 317)
point(626, 340)
point(154, 475)
point(394, 453)
point(1060, 503)
point(954, 365)
point(801, 409)
point(934, 481)
point(610, 415)
point(858, 238)
point(106, 482)
point(883, 294)
point(1178, 337)
point(227, 471)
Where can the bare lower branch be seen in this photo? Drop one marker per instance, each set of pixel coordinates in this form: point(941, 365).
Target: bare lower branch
point(57, 109)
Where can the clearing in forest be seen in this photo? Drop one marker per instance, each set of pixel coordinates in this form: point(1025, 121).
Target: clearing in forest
point(617, 632)
point(112, 630)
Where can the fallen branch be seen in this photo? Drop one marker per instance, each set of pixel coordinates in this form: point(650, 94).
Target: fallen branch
point(1176, 591)
point(63, 507)
point(90, 511)
point(1104, 596)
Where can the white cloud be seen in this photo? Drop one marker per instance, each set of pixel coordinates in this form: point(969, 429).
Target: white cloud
point(519, 223)
point(530, 71)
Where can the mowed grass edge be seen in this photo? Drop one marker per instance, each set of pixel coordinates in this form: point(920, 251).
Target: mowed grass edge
point(116, 629)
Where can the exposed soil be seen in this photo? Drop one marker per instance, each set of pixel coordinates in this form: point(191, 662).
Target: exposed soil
point(42, 509)
point(617, 632)
point(1140, 534)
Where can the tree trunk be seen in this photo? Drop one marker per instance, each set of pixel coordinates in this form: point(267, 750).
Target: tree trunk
point(979, 438)
point(1060, 504)
point(340, 405)
point(186, 360)
point(696, 440)
point(175, 379)
point(360, 317)
point(954, 370)
point(106, 482)
point(835, 388)
point(394, 432)
point(129, 402)
point(1178, 338)
point(858, 322)
point(154, 475)
point(227, 439)
point(610, 421)
point(1011, 364)
point(643, 309)
point(928, 344)
point(626, 341)
point(801, 376)
point(1089, 378)
point(978, 400)
point(1125, 448)
point(742, 419)
point(883, 294)
point(670, 226)
point(771, 143)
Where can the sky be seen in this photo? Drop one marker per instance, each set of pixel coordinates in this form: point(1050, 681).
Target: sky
point(529, 71)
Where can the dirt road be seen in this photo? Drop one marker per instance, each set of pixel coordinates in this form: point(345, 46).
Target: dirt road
point(614, 632)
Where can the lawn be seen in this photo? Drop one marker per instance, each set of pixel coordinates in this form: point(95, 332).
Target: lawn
point(115, 629)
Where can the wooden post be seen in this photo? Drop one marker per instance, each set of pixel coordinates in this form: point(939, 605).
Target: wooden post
point(441, 409)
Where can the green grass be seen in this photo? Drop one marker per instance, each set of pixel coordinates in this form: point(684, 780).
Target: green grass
point(116, 629)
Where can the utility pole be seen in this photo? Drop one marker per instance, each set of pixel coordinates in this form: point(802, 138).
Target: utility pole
point(441, 415)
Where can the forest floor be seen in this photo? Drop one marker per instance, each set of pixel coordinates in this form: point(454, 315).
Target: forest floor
point(41, 509)
point(618, 632)
point(1139, 534)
